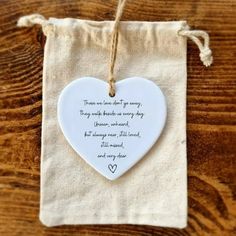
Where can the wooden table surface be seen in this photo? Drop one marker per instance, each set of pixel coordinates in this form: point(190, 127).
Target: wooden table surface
point(211, 114)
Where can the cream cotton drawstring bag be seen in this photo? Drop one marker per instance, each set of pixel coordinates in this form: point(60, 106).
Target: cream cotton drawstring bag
point(154, 191)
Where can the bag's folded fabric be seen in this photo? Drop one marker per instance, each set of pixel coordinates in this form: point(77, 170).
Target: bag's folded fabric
point(154, 191)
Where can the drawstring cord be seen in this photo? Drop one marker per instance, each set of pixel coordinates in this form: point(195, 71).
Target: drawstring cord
point(205, 51)
point(194, 35)
point(30, 20)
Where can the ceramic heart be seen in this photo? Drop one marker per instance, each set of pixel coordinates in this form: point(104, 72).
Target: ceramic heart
point(111, 133)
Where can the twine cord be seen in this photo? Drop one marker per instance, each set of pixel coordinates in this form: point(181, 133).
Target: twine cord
point(114, 43)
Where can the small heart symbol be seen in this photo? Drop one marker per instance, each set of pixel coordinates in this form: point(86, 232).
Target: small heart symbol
point(122, 128)
point(112, 168)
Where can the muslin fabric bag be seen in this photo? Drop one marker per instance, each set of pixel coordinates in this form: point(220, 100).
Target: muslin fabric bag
point(154, 191)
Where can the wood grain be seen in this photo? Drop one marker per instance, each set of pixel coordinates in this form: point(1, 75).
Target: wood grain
point(211, 114)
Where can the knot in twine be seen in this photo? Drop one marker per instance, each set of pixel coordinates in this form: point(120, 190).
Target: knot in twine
point(112, 88)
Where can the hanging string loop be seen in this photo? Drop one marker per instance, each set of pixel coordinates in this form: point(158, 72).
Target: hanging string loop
point(114, 43)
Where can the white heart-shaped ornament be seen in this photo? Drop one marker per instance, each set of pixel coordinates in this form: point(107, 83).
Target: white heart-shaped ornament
point(111, 133)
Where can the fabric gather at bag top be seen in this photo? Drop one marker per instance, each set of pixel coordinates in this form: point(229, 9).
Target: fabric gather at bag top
point(113, 147)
